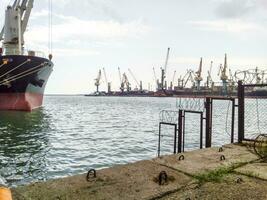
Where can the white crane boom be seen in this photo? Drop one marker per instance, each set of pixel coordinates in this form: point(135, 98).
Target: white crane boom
point(26, 8)
point(166, 61)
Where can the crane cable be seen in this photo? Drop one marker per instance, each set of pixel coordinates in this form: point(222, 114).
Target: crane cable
point(22, 74)
point(50, 27)
point(14, 68)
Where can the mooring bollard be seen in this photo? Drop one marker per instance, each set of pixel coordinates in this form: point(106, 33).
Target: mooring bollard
point(163, 178)
point(181, 157)
point(220, 149)
point(239, 180)
point(222, 157)
point(91, 175)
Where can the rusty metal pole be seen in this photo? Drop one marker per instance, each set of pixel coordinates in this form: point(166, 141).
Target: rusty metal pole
point(208, 122)
point(241, 112)
point(180, 131)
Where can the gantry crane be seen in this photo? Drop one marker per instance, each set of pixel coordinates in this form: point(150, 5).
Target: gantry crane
point(198, 77)
point(97, 81)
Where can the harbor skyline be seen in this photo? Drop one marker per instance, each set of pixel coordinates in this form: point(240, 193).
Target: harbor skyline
point(95, 34)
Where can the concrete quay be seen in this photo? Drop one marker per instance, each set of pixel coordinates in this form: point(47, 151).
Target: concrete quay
point(230, 172)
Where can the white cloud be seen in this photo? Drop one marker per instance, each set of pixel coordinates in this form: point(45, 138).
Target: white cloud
point(73, 28)
point(232, 26)
point(73, 52)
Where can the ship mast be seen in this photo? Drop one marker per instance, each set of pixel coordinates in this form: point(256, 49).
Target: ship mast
point(16, 21)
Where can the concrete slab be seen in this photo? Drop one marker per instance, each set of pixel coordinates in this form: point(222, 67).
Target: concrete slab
point(255, 169)
point(201, 161)
point(249, 188)
point(133, 181)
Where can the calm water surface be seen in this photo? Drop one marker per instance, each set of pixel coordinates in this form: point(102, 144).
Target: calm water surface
point(72, 134)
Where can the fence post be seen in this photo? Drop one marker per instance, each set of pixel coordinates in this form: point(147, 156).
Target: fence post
point(233, 121)
point(241, 112)
point(180, 130)
point(175, 139)
point(159, 139)
point(208, 122)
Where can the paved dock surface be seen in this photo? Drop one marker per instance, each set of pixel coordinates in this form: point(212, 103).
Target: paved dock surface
point(233, 173)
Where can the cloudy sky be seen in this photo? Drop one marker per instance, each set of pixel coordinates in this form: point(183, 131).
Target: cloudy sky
point(91, 34)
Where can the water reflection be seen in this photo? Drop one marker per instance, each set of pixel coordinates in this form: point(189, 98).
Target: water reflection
point(23, 145)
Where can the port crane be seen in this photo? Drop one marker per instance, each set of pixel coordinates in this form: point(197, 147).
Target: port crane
point(188, 76)
point(125, 82)
point(106, 80)
point(198, 76)
point(251, 76)
point(17, 18)
point(139, 85)
point(172, 82)
point(97, 81)
point(210, 83)
point(222, 74)
point(163, 71)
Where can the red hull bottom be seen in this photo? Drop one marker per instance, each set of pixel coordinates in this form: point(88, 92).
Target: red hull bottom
point(20, 101)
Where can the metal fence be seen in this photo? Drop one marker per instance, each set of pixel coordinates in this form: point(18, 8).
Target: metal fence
point(237, 118)
point(252, 111)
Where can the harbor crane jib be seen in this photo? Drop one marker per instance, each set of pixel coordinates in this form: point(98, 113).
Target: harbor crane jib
point(164, 71)
point(139, 85)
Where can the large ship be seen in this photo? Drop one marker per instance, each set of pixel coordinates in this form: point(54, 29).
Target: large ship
point(23, 73)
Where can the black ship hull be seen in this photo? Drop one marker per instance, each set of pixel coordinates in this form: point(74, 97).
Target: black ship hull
point(22, 81)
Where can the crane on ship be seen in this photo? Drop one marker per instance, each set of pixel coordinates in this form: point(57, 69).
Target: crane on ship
point(106, 80)
point(97, 81)
point(222, 74)
point(139, 86)
point(18, 17)
point(198, 76)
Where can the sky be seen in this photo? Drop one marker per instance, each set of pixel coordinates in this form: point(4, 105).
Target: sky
point(89, 35)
